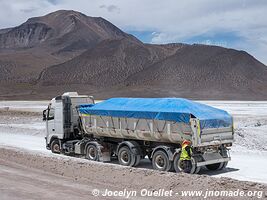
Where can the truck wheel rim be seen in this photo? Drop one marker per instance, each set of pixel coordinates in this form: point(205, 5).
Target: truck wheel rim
point(91, 153)
point(56, 148)
point(179, 165)
point(160, 162)
point(124, 157)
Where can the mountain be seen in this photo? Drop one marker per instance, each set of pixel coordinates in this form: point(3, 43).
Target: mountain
point(69, 51)
point(62, 30)
point(40, 42)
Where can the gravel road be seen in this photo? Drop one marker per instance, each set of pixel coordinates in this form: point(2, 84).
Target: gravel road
point(28, 175)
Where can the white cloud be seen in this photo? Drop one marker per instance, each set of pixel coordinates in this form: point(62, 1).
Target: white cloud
point(111, 8)
point(171, 20)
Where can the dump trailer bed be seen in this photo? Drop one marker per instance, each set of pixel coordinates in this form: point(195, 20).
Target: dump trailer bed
point(158, 119)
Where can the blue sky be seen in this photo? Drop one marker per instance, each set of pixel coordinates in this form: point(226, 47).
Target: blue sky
point(226, 39)
point(144, 36)
point(239, 24)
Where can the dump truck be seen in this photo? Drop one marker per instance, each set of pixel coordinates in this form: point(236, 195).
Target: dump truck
point(132, 129)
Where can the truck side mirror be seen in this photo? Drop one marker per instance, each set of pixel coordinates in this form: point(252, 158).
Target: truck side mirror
point(44, 115)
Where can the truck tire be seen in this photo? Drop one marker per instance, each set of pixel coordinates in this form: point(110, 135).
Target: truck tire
point(177, 164)
point(92, 153)
point(55, 146)
point(137, 160)
point(223, 165)
point(126, 157)
point(214, 167)
point(160, 161)
point(178, 168)
point(197, 170)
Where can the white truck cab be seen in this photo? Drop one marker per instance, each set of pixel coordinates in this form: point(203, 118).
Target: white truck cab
point(62, 117)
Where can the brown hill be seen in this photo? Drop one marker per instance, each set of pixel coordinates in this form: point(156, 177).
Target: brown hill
point(108, 64)
point(67, 50)
point(135, 69)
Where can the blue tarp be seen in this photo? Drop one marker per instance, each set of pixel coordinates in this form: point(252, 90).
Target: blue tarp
point(170, 109)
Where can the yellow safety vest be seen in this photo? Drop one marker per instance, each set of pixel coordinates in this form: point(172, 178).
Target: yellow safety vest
point(184, 155)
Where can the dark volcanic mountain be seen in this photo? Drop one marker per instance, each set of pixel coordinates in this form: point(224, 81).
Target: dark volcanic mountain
point(67, 50)
point(68, 30)
point(52, 39)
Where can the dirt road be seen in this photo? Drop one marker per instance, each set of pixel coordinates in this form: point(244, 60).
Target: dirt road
point(22, 182)
point(28, 175)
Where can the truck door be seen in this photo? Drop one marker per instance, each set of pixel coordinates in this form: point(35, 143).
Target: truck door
point(50, 122)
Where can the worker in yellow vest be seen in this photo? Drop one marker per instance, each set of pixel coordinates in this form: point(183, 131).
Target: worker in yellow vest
point(185, 156)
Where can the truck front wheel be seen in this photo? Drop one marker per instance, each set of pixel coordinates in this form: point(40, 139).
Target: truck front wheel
point(55, 147)
point(160, 161)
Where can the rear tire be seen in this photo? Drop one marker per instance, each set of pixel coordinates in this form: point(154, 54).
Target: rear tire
point(160, 161)
point(55, 146)
point(223, 166)
point(214, 167)
point(177, 164)
point(178, 168)
point(137, 160)
point(126, 157)
point(197, 170)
